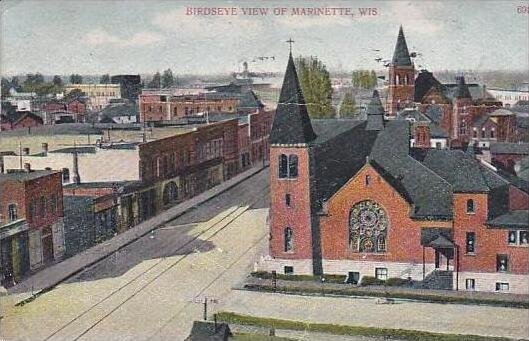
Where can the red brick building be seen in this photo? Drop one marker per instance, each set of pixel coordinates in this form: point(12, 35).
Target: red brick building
point(451, 106)
point(353, 198)
point(19, 120)
point(31, 220)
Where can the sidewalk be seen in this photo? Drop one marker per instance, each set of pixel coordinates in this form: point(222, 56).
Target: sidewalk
point(47, 278)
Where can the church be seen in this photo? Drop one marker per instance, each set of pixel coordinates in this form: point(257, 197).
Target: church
point(353, 198)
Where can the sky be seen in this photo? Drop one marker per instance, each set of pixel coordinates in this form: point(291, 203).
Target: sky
point(97, 37)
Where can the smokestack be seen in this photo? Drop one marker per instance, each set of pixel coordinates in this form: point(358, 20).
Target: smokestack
point(25, 151)
point(44, 148)
point(27, 167)
point(76, 177)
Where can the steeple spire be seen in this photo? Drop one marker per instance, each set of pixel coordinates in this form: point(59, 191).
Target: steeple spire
point(292, 123)
point(375, 113)
point(401, 56)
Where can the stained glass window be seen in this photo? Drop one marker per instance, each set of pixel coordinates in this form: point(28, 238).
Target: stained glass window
point(368, 226)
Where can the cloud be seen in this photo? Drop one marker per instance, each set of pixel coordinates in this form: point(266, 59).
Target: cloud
point(101, 37)
point(424, 17)
point(207, 26)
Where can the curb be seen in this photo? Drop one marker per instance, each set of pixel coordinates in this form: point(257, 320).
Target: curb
point(75, 272)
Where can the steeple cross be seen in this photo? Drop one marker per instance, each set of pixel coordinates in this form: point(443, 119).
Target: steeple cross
point(290, 42)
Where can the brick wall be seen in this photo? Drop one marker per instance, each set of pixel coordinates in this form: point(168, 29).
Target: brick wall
point(297, 215)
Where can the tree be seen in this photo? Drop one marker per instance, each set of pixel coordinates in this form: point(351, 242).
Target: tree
point(156, 81)
point(57, 80)
point(75, 93)
point(39, 78)
point(76, 79)
point(6, 85)
point(364, 79)
point(105, 79)
point(167, 79)
point(316, 86)
point(348, 105)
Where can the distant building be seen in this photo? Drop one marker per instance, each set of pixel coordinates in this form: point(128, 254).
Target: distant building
point(31, 221)
point(99, 95)
point(121, 113)
point(161, 107)
point(19, 119)
point(509, 97)
point(65, 111)
point(456, 105)
point(130, 85)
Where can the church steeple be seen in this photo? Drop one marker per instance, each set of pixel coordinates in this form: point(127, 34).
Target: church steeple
point(292, 123)
point(401, 56)
point(375, 113)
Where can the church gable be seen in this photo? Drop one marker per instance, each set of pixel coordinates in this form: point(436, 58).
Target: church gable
point(367, 183)
point(436, 96)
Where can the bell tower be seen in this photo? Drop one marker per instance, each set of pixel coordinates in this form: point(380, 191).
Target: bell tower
point(291, 235)
point(401, 77)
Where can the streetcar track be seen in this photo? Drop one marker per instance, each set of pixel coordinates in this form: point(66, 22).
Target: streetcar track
point(143, 273)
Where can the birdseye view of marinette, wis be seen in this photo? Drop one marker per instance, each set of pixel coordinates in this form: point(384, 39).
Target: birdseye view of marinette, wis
point(264, 171)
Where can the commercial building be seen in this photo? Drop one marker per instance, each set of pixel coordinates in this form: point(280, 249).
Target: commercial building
point(31, 221)
point(99, 95)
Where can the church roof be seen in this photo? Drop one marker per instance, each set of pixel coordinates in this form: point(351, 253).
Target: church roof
point(401, 56)
point(424, 82)
point(375, 113)
point(458, 168)
point(292, 123)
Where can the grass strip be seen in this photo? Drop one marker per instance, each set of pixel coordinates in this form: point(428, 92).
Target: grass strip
point(401, 334)
point(431, 298)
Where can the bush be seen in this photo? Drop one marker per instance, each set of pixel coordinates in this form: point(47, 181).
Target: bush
point(397, 282)
point(370, 280)
point(334, 278)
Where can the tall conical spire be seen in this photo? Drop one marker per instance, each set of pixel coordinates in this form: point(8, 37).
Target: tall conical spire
point(292, 123)
point(375, 113)
point(462, 88)
point(401, 56)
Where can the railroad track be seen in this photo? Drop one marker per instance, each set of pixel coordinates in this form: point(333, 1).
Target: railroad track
point(162, 266)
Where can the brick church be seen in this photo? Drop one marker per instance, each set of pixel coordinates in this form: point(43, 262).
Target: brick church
point(453, 107)
point(352, 198)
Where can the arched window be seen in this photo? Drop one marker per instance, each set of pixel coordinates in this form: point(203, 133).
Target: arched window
point(289, 243)
point(368, 227)
point(293, 166)
point(65, 175)
point(368, 180)
point(283, 166)
point(12, 212)
point(42, 208)
point(471, 208)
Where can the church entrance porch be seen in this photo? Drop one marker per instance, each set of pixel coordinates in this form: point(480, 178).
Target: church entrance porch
point(446, 259)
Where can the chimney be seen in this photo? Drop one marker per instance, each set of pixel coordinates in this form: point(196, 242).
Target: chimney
point(27, 167)
point(422, 136)
point(25, 151)
point(45, 148)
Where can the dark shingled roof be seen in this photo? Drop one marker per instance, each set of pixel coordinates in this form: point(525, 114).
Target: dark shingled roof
point(423, 83)
point(460, 169)
point(509, 148)
point(292, 123)
point(430, 195)
point(209, 331)
point(401, 56)
point(375, 113)
point(339, 152)
point(514, 219)
point(127, 109)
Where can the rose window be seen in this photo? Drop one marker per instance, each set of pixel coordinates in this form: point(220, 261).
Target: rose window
point(368, 226)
